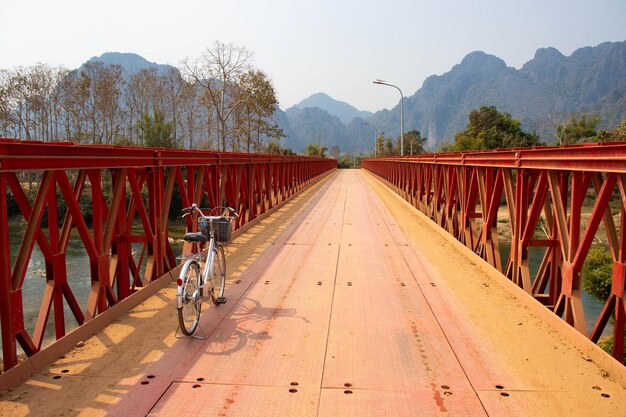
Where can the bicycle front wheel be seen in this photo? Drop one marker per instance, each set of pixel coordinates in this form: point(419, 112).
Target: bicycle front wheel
point(218, 279)
point(189, 313)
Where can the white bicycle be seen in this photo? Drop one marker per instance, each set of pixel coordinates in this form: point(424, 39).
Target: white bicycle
point(200, 280)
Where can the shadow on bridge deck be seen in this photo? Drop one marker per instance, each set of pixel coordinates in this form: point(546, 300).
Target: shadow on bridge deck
point(346, 302)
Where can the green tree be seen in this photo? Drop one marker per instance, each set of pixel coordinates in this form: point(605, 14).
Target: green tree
point(345, 161)
point(616, 135)
point(275, 148)
point(597, 281)
point(579, 128)
point(390, 149)
point(598, 272)
point(413, 143)
point(380, 145)
point(313, 149)
point(154, 131)
point(258, 104)
point(489, 128)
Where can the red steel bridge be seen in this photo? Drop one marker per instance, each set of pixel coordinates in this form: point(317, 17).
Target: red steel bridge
point(139, 187)
point(464, 192)
point(552, 200)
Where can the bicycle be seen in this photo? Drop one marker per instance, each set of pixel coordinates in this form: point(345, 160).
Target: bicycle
point(198, 279)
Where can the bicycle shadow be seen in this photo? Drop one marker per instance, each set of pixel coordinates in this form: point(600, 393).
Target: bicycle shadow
point(249, 322)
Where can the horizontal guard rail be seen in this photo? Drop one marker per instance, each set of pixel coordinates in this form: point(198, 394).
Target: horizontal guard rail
point(466, 193)
point(131, 192)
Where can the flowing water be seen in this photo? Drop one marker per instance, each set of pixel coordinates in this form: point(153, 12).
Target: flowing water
point(591, 305)
point(78, 276)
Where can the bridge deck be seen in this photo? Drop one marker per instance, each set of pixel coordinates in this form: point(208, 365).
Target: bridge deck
point(351, 305)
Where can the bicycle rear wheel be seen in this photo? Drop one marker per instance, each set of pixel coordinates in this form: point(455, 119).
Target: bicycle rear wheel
point(218, 279)
point(189, 313)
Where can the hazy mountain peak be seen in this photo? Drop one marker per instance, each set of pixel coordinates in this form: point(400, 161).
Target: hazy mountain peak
point(130, 62)
point(479, 60)
point(344, 111)
point(548, 54)
point(540, 94)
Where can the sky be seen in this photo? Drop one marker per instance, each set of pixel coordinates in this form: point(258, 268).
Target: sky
point(333, 46)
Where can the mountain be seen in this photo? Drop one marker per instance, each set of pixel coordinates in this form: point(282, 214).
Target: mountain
point(541, 94)
point(131, 63)
point(344, 111)
point(313, 125)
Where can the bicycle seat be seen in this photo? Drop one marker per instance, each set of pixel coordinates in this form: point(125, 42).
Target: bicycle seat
point(195, 237)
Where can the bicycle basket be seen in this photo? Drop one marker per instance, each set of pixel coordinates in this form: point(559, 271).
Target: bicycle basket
point(223, 230)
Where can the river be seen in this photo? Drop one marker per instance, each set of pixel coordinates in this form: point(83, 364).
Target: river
point(591, 305)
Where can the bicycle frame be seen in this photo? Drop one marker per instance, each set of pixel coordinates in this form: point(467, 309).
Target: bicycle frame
point(206, 272)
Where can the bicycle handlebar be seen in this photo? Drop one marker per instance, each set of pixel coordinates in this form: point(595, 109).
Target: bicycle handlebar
point(194, 207)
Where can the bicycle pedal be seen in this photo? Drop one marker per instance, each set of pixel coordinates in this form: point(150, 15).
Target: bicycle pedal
point(220, 300)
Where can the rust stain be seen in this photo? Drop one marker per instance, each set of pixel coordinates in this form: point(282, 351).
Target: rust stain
point(438, 399)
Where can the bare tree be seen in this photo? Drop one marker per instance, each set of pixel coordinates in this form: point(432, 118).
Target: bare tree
point(174, 90)
point(7, 121)
point(102, 84)
point(189, 112)
point(219, 100)
point(218, 71)
point(73, 93)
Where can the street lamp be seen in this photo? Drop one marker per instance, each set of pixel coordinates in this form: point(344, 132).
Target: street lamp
point(375, 139)
point(381, 82)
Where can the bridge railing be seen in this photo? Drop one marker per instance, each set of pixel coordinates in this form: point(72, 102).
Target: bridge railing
point(558, 199)
point(130, 193)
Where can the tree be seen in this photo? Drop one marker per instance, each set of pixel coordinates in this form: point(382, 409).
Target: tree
point(579, 128)
point(101, 86)
point(335, 151)
point(275, 148)
point(379, 147)
point(221, 101)
point(154, 131)
point(616, 135)
point(386, 147)
point(27, 102)
point(174, 92)
point(313, 149)
point(189, 113)
point(490, 129)
point(598, 272)
point(218, 72)
point(413, 143)
point(258, 104)
point(74, 94)
point(5, 106)
point(598, 281)
point(389, 148)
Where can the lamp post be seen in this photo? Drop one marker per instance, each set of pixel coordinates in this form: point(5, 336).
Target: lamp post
point(381, 82)
point(375, 139)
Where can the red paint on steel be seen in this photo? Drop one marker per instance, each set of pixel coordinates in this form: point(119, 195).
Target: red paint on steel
point(542, 187)
point(128, 187)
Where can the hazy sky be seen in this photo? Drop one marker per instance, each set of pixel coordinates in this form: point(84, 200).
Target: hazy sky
point(335, 46)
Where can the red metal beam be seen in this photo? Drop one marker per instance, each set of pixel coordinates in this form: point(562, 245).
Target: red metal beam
point(131, 190)
point(543, 187)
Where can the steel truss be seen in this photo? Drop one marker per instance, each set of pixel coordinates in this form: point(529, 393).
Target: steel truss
point(131, 191)
point(542, 192)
